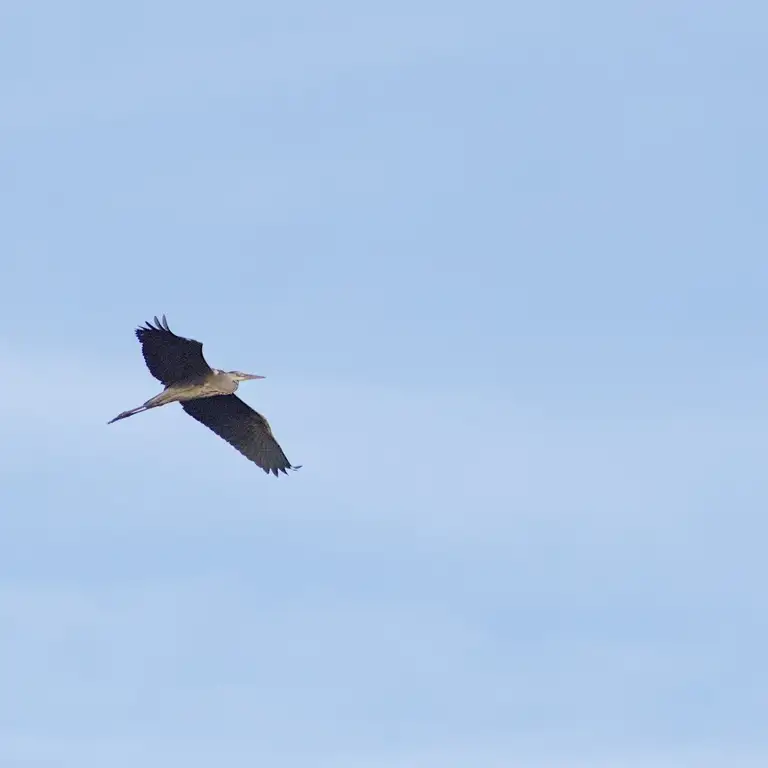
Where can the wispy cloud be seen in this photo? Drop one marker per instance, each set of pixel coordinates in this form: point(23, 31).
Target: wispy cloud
point(479, 254)
point(421, 576)
point(418, 679)
point(472, 466)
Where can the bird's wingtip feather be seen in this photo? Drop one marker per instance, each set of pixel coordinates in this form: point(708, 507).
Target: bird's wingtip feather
point(154, 325)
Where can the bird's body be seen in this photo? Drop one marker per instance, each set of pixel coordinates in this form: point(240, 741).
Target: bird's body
point(206, 394)
point(217, 383)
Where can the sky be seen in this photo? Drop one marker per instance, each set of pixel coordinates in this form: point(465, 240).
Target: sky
point(504, 268)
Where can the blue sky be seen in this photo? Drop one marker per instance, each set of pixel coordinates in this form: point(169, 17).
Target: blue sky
point(504, 267)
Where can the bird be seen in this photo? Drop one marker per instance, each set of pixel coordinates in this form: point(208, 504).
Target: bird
point(207, 395)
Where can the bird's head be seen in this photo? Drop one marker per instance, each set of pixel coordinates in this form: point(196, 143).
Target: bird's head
point(240, 376)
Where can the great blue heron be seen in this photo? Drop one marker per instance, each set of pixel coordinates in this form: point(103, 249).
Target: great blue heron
point(206, 394)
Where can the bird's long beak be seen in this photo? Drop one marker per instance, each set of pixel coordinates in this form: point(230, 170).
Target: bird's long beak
point(249, 376)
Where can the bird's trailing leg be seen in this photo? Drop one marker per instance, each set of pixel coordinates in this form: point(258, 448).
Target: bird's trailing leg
point(126, 414)
point(153, 402)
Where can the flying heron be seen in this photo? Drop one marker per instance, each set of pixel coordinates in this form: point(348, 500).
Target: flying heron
point(206, 394)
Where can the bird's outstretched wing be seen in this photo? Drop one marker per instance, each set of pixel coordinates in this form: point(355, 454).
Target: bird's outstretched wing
point(235, 421)
point(170, 357)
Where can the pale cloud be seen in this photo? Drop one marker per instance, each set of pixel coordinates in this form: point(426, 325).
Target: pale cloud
point(474, 466)
point(530, 527)
point(490, 596)
point(292, 675)
point(72, 752)
point(544, 757)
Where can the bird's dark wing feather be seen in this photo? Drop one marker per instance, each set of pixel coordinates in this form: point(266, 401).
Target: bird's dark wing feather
point(235, 421)
point(170, 357)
